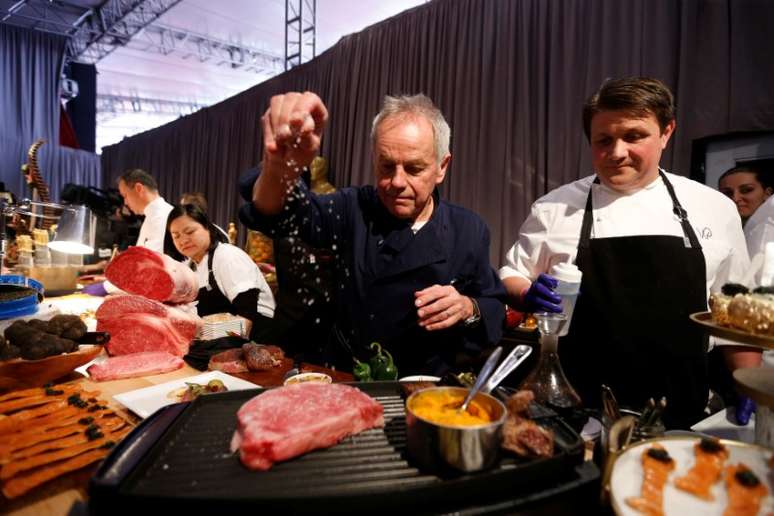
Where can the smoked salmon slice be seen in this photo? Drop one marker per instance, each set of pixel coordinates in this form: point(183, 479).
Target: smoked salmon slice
point(656, 466)
point(745, 491)
point(710, 457)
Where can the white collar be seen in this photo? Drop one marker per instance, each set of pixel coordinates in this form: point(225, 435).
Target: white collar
point(154, 205)
point(650, 186)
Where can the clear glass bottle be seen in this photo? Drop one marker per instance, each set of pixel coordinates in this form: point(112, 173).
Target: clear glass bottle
point(547, 380)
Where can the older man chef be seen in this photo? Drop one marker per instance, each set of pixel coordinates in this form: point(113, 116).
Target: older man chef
point(413, 271)
point(650, 245)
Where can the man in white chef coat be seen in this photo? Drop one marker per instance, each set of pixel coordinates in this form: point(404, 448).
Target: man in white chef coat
point(650, 245)
point(141, 195)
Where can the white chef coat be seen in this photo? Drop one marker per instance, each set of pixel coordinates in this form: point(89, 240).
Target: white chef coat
point(551, 232)
point(235, 272)
point(154, 227)
point(759, 231)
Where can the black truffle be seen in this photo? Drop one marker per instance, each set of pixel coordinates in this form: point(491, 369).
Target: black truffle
point(732, 289)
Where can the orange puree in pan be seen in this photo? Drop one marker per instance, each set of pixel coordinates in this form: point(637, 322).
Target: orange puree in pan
point(441, 407)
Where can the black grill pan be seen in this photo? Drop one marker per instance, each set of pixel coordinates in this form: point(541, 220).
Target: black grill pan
point(179, 458)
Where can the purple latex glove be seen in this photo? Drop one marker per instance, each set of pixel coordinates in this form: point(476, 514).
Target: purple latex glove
point(744, 409)
point(540, 296)
point(95, 289)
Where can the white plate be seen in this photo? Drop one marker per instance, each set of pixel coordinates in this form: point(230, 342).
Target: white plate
point(148, 400)
point(626, 478)
point(420, 378)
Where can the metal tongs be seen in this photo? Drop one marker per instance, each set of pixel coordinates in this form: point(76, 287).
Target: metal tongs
point(518, 355)
point(490, 364)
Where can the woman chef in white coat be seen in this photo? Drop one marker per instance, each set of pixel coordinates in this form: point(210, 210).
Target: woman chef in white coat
point(229, 280)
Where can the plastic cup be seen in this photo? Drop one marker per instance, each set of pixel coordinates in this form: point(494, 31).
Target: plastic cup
point(569, 278)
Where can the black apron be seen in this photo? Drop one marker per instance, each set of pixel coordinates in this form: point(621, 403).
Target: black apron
point(211, 299)
point(630, 329)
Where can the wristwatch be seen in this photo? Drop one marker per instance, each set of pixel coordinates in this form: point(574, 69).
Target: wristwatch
point(475, 318)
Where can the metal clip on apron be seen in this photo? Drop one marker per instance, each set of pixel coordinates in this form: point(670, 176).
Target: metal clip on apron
point(631, 329)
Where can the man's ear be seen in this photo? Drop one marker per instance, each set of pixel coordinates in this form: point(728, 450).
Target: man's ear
point(667, 133)
point(138, 187)
point(442, 167)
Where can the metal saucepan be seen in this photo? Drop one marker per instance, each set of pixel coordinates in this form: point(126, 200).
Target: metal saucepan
point(466, 448)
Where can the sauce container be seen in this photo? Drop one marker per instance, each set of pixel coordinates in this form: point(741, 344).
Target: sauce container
point(466, 448)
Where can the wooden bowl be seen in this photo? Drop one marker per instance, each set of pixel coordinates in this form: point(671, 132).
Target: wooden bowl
point(22, 374)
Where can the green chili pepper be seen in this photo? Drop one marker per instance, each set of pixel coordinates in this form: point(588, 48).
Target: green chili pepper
point(382, 365)
point(361, 371)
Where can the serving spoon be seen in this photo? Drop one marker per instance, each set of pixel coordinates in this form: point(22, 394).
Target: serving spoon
point(483, 376)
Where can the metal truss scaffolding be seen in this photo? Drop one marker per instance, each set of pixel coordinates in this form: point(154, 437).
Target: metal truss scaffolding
point(110, 106)
point(113, 25)
point(95, 32)
point(300, 31)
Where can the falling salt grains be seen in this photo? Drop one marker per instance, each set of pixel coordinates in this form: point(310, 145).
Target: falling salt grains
point(317, 321)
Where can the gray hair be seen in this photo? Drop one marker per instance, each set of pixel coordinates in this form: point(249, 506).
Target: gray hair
point(416, 105)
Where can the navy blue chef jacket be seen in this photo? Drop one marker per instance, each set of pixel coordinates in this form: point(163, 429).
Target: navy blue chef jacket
point(381, 263)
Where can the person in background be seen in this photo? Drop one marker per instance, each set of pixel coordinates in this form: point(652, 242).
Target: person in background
point(748, 186)
point(229, 281)
point(650, 245)
point(412, 270)
point(141, 195)
point(197, 198)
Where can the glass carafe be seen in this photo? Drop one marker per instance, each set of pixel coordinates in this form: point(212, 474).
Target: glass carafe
point(547, 380)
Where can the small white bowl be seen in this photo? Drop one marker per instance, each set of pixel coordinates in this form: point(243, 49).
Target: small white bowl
point(420, 378)
point(308, 377)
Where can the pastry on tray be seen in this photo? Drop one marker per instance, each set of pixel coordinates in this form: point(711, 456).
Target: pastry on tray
point(752, 312)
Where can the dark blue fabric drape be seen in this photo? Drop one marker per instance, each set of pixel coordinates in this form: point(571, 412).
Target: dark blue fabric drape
point(30, 64)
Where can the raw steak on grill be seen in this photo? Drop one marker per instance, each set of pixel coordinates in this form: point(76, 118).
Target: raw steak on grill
point(137, 324)
point(285, 422)
point(134, 365)
point(156, 276)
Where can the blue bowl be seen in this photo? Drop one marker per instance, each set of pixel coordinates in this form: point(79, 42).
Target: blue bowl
point(27, 305)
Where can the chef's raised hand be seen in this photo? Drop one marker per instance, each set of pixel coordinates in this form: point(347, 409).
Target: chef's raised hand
point(292, 127)
point(540, 296)
point(441, 306)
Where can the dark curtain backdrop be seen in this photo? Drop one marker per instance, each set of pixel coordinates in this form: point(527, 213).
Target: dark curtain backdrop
point(30, 64)
point(511, 77)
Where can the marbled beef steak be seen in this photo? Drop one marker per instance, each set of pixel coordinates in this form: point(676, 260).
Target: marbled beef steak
point(138, 324)
point(285, 422)
point(134, 365)
point(156, 276)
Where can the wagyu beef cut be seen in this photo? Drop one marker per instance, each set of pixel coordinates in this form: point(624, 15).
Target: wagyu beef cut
point(156, 276)
point(137, 324)
point(134, 365)
point(286, 422)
